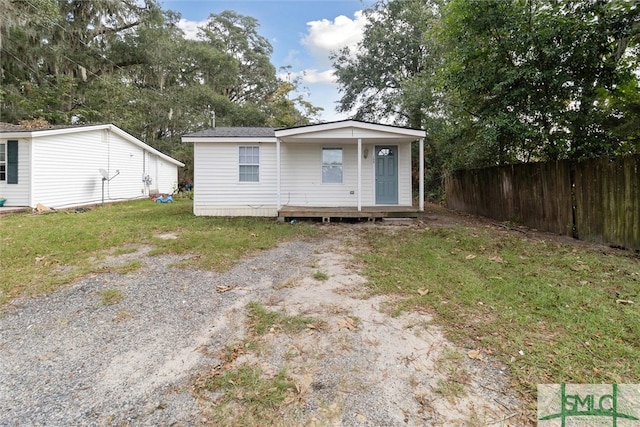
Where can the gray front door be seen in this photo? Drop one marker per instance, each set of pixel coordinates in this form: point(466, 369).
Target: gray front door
point(387, 175)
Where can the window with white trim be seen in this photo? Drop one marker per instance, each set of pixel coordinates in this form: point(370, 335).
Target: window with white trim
point(249, 164)
point(332, 165)
point(3, 162)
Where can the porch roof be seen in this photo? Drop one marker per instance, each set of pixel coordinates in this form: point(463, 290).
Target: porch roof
point(344, 130)
point(349, 130)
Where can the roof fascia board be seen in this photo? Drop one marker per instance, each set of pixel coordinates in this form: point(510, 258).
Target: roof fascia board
point(142, 145)
point(35, 133)
point(349, 124)
point(240, 139)
point(16, 135)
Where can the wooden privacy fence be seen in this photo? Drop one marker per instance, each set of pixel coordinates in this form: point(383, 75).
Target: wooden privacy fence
point(595, 200)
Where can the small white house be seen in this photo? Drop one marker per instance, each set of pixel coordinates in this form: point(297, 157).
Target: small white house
point(344, 168)
point(66, 166)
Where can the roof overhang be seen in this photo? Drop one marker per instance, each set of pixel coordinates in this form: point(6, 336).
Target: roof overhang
point(240, 139)
point(35, 133)
point(349, 130)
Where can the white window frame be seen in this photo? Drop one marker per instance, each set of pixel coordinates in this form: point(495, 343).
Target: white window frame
point(332, 165)
point(3, 161)
point(252, 160)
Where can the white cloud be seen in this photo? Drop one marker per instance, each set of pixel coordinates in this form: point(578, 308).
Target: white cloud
point(310, 76)
point(190, 28)
point(326, 36)
point(315, 76)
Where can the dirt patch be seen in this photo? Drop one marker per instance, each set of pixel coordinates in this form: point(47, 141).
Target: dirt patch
point(365, 367)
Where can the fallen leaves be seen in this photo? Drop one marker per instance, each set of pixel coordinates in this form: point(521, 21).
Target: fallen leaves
point(475, 354)
point(347, 323)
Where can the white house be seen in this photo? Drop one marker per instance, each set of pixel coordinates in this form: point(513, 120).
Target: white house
point(342, 169)
point(65, 166)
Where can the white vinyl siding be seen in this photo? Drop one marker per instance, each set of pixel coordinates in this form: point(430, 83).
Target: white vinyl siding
point(66, 169)
point(151, 173)
point(249, 164)
point(219, 192)
point(302, 177)
point(18, 194)
point(217, 187)
point(167, 176)
point(301, 182)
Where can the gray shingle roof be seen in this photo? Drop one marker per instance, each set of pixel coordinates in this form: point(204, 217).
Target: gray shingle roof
point(10, 127)
point(231, 132)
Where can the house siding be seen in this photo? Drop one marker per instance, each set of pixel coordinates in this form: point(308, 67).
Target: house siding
point(302, 185)
point(405, 192)
point(216, 182)
point(151, 171)
point(66, 169)
point(218, 191)
point(18, 194)
point(167, 177)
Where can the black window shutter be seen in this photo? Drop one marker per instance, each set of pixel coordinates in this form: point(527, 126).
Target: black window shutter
point(12, 162)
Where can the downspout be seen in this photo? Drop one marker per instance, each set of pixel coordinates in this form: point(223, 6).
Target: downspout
point(359, 175)
point(278, 202)
point(421, 183)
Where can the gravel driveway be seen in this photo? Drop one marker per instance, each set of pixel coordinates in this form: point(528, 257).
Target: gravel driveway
point(71, 359)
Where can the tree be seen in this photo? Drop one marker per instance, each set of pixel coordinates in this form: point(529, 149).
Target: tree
point(389, 74)
point(62, 50)
point(238, 37)
point(531, 76)
point(127, 62)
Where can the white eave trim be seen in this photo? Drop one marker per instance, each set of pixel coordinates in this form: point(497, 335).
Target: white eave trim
point(417, 133)
point(238, 139)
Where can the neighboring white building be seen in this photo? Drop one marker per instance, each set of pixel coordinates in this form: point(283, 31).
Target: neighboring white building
point(348, 165)
point(63, 166)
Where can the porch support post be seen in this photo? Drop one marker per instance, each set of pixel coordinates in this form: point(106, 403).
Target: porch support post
point(421, 184)
point(278, 201)
point(359, 197)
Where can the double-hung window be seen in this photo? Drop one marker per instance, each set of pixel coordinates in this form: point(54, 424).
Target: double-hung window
point(332, 165)
point(249, 164)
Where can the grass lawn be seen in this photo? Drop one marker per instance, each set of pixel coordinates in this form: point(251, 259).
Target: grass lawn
point(552, 312)
point(39, 253)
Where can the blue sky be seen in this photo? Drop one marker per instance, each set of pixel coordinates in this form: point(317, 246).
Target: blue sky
point(302, 33)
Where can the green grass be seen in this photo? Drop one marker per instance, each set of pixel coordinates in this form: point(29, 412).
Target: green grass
point(240, 394)
point(320, 276)
point(111, 296)
point(547, 310)
point(248, 397)
point(262, 321)
point(40, 253)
